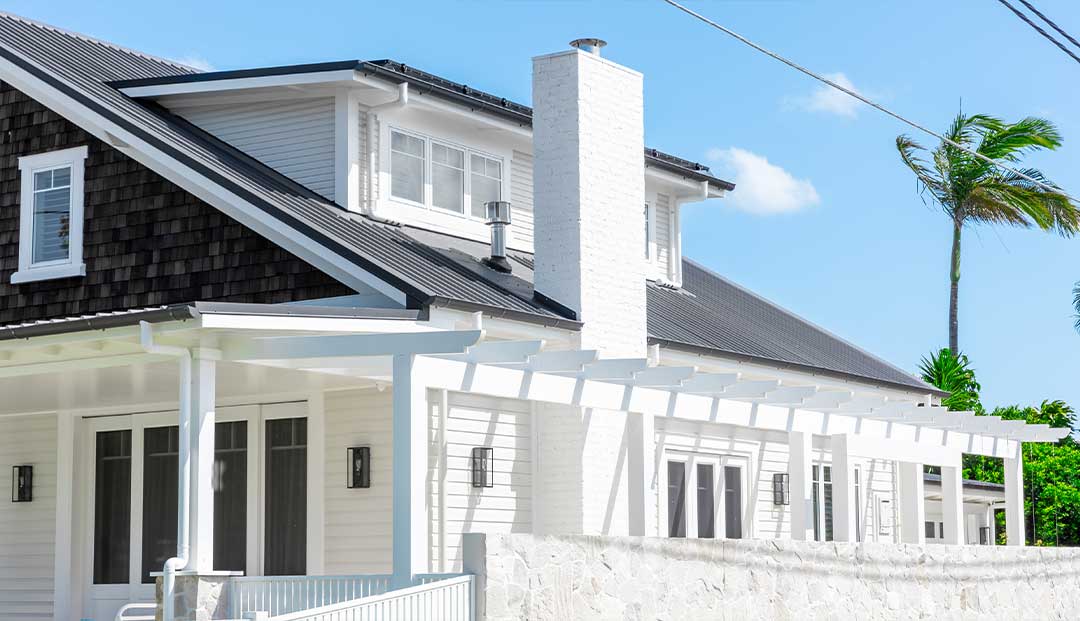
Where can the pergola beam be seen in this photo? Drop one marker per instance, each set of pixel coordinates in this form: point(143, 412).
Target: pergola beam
point(498, 352)
point(349, 345)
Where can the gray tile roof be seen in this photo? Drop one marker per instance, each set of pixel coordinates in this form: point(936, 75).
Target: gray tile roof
point(710, 313)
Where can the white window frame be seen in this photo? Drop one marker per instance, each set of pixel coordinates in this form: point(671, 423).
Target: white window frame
point(428, 190)
point(690, 508)
point(74, 158)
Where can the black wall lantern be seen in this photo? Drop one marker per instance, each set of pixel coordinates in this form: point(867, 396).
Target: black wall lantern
point(22, 484)
point(781, 488)
point(483, 463)
point(359, 467)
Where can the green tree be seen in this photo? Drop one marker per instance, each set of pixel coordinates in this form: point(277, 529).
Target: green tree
point(972, 191)
point(953, 374)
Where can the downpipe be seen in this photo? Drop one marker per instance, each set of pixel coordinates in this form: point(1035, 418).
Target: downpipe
point(401, 101)
point(183, 531)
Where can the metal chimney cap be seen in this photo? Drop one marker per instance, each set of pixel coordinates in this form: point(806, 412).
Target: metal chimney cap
point(591, 45)
point(497, 212)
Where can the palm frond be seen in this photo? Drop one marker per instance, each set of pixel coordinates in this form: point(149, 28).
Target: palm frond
point(930, 181)
point(1076, 305)
point(1010, 142)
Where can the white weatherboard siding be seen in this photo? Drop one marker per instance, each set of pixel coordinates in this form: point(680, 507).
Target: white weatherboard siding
point(662, 212)
point(358, 521)
point(521, 197)
point(474, 421)
point(27, 537)
point(294, 137)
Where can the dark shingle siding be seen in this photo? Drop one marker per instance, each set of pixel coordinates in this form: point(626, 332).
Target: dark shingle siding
point(146, 241)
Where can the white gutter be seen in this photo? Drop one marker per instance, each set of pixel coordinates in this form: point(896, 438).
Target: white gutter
point(401, 101)
point(183, 531)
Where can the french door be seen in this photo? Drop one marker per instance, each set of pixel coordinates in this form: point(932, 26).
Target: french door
point(131, 468)
point(704, 496)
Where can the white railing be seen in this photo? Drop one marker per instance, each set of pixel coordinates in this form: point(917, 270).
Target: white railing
point(279, 595)
point(448, 599)
point(125, 613)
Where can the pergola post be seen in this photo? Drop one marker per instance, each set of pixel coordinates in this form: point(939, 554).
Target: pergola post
point(203, 420)
point(800, 459)
point(843, 480)
point(952, 504)
point(642, 469)
point(912, 503)
point(410, 423)
point(1014, 498)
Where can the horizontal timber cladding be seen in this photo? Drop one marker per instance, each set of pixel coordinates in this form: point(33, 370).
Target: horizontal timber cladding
point(147, 242)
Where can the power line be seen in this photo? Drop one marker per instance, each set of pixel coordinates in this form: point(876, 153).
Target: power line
point(1051, 22)
point(1045, 186)
point(1039, 29)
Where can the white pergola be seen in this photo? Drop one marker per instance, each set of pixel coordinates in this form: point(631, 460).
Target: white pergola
point(415, 358)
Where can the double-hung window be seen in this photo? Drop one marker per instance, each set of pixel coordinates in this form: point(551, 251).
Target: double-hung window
point(51, 215)
point(434, 173)
point(704, 496)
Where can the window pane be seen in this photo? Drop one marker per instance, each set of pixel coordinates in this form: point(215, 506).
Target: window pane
point(112, 507)
point(285, 550)
point(160, 472)
point(733, 502)
point(706, 516)
point(828, 509)
point(407, 177)
point(928, 529)
point(676, 476)
point(43, 180)
point(230, 496)
point(52, 224)
point(61, 177)
point(816, 491)
point(484, 189)
point(403, 143)
point(447, 178)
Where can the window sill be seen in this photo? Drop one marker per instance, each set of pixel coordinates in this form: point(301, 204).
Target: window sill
point(51, 272)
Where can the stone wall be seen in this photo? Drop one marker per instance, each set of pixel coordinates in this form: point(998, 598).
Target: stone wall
point(580, 577)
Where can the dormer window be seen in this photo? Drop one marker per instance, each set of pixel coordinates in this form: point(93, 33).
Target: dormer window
point(433, 173)
point(51, 215)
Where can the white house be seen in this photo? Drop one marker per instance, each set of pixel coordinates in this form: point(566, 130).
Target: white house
point(262, 323)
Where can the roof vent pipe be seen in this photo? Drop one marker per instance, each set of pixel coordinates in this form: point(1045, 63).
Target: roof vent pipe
point(588, 45)
point(498, 218)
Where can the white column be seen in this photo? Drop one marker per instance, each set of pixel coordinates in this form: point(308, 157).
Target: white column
point(410, 553)
point(316, 484)
point(203, 418)
point(992, 513)
point(65, 476)
point(1014, 498)
point(912, 504)
point(843, 480)
point(642, 469)
point(800, 461)
point(952, 504)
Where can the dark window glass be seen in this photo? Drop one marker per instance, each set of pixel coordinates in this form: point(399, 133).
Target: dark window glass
point(816, 491)
point(706, 516)
point(828, 502)
point(676, 476)
point(285, 551)
point(230, 496)
point(928, 529)
point(941, 530)
point(732, 502)
point(112, 507)
point(160, 462)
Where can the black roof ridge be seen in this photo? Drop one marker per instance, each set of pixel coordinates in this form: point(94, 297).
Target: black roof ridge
point(809, 323)
point(440, 86)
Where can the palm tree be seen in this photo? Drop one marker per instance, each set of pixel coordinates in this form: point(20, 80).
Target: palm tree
point(973, 191)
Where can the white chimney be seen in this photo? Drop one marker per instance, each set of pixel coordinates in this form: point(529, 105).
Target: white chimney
point(589, 180)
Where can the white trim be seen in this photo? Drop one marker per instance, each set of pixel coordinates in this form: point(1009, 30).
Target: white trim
point(200, 186)
point(230, 84)
point(65, 516)
point(316, 483)
point(29, 271)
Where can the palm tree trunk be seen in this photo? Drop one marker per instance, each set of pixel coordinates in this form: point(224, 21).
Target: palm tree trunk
point(954, 287)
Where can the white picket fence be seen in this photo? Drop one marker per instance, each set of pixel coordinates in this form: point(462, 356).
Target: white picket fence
point(285, 595)
point(448, 599)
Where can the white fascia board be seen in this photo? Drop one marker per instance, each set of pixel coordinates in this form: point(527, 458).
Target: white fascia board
point(685, 188)
point(348, 345)
point(272, 323)
point(205, 189)
point(232, 84)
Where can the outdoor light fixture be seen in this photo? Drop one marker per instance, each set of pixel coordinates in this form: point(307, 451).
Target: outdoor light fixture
point(483, 462)
point(359, 467)
point(781, 488)
point(22, 483)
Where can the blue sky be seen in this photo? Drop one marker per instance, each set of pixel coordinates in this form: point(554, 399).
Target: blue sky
point(827, 223)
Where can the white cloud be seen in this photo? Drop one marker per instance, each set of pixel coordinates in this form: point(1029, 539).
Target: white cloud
point(761, 187)
point(196, 62)
point(828, 100)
